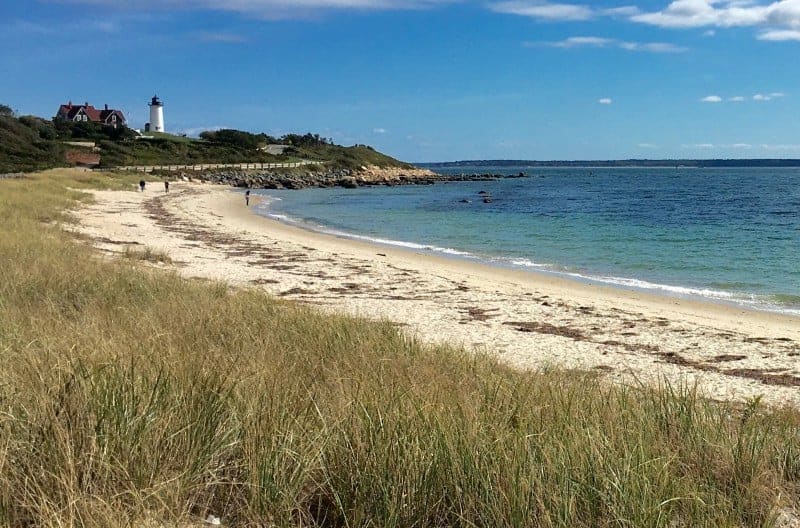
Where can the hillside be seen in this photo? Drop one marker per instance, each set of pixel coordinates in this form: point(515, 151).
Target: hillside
point(27, 144)
point(31, 143)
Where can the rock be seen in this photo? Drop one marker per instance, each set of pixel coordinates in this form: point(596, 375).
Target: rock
point(348, 182)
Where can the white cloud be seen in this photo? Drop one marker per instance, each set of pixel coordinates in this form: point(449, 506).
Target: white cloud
point(780, 147)
point(779, 35)
point(605, 101)
point(647, 145)
point(544, 10)
point(655, 47)
point(741, 145)
point(738, 98)
point(625, 11)
point(726, 13)
point(600, 42)
point(709, 33)
point(699, 146)
point(378, 130)
point(32, 28)
point(574, 42)
point(213, 36)
point(270, 9)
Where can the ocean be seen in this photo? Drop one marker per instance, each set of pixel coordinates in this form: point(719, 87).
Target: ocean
point(728, 235)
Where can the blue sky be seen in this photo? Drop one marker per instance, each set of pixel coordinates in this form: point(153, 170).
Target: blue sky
point(428, 80)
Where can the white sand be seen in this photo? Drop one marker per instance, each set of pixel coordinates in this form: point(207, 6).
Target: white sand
point(527, 319)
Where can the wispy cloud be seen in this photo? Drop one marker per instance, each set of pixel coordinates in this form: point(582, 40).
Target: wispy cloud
point(760, 97)
point(605, 101)
point(767, 97)
point(217, 36)
point(551, 11)
point(25, 27)
point(379, 130)
point(647, 145)
point(270, 9)
point(780, 147)
point(600, 42)
point(544, 10)
point(780, 35)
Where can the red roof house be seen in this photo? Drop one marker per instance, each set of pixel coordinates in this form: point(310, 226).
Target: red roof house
point(86, 112)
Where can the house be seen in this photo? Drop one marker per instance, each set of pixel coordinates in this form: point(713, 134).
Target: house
point(86, 112)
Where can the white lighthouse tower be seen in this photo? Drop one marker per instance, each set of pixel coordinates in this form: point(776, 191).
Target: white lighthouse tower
point(156, 114)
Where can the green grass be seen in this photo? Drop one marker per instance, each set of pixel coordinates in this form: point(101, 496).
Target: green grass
point(130, 396)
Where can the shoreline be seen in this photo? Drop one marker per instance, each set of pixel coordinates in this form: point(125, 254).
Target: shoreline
point(669, 291)
point(749, 301)
point(525, 318)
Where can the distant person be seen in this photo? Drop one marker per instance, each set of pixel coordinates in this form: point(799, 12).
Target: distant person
point(166, 185)
point(141, 185)
point(247, 197)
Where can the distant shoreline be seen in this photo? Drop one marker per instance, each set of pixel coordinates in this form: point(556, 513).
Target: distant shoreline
point(632, 163)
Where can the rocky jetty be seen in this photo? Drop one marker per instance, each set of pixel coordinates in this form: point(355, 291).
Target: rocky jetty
point(365, 176)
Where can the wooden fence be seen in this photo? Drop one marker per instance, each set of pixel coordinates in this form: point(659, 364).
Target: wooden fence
point(207, 166)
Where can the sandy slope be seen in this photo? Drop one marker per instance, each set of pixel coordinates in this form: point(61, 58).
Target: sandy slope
point(527, 319)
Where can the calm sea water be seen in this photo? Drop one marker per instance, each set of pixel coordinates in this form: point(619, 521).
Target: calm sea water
point(731, 235)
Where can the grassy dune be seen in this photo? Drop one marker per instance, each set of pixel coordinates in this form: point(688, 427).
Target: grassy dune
point(132, 397)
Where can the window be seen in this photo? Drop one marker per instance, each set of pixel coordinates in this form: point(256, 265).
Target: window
point(114, 118)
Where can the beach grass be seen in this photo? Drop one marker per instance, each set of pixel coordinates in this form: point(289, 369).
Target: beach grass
point(130, 396)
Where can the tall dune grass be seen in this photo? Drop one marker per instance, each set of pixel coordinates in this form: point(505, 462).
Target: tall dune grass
point(133, 397)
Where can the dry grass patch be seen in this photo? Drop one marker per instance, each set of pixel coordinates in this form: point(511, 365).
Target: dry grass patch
point(129, 393)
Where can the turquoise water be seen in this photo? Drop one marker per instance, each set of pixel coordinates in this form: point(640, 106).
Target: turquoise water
point(731, 235)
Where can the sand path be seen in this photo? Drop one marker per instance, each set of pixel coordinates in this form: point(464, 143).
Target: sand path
point(529, 320)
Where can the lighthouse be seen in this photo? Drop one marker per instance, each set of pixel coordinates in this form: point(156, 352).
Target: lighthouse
point(156, 114)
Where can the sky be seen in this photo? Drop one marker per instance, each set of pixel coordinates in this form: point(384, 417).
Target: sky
point(428, 80)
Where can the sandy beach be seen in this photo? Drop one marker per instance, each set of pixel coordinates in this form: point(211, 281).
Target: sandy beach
point(528, 320)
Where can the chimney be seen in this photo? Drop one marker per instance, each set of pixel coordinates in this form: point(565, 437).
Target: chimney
point(69, 104)
point(87, 103)
point(106, 107)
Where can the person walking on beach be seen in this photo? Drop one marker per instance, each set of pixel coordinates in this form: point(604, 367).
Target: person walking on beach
point(141, 185)
point(247, 197)
point(166, 186)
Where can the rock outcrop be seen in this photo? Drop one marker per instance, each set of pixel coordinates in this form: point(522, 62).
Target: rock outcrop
point(348, 178)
